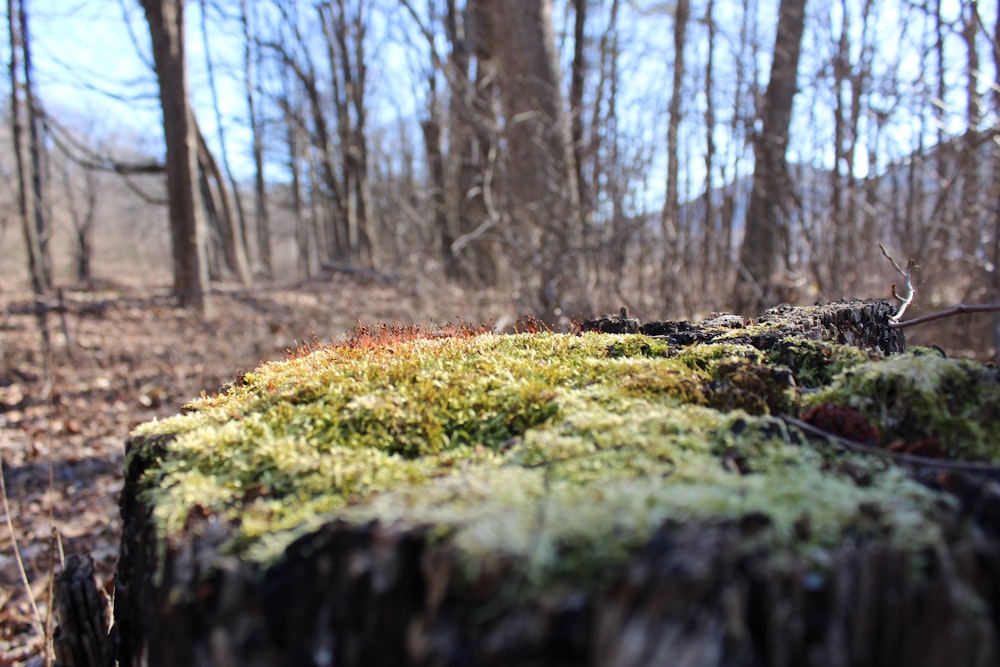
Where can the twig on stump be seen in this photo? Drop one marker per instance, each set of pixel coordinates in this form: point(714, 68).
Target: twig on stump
point(907, 298)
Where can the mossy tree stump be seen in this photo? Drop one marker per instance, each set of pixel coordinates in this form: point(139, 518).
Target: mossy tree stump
point(593, 499)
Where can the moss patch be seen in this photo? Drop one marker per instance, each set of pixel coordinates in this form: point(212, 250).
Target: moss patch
point(563, 451)
point(921, 394)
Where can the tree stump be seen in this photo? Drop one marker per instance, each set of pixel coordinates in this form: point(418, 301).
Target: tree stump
point(548, 499)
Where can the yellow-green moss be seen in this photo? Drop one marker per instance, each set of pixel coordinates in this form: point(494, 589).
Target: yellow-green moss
point(921, 394)
point(565, 451)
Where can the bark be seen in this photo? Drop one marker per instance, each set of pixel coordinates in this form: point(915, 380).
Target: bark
point(82, 638)
point(994, 198)
point(544, 210)
point(711, 257)
point(345, 42)
point(187, 224)
point(231, 230)
point(971, 208)
point(767, 223)
point(468, 236)
point(431, 129)
point(673, 252)
point(27, 150)
point(577, 78)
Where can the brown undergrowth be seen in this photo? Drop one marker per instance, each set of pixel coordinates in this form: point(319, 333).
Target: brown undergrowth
point(121, 357)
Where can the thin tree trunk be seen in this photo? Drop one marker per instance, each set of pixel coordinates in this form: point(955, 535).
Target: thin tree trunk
point(187, 226)
point(217, 201)
point(26, 150)
point(231, 231)
point(710, 257)
point(262, 218)
point(577, 77)
point(670, 215)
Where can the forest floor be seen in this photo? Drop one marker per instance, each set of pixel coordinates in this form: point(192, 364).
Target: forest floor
point(121, 357)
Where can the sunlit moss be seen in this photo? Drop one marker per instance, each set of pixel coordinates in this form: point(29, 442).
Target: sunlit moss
point(564, 451)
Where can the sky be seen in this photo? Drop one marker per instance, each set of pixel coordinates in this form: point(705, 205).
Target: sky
point(92, 67)
point(89, 68)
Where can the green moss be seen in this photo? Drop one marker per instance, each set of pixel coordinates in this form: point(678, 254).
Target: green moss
point(921, 394)
point(563, 451)
point(637, 346)
point(815, 363)
point(754, 387)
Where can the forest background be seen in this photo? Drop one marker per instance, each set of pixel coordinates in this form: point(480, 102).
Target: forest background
point(192, 187)
point(570, 157)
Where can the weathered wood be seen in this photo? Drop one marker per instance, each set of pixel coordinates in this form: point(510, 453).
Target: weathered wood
point(864, 324)
point(372, 595)
point(81, 639)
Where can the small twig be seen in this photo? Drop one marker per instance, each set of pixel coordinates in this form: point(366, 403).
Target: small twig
point(899, 458)
point(17, 554)
point(907, 298)
point(948, 312)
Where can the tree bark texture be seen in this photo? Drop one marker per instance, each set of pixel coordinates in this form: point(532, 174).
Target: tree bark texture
point(544, 208)
point(82, 638)
point(767, 223)
point(370, 594)
point(187, 225)
point(27, 152)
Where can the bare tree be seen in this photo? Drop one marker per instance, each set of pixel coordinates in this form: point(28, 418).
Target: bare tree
point(578, 73)
point(767, 223)
point(670, 223)
point(187, 224)
point(469, 250)
point(82, 215)
point(251, 68)
point(230, 229)
point(25, 121)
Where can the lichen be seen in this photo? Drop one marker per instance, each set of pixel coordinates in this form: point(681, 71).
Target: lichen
point(563, 451)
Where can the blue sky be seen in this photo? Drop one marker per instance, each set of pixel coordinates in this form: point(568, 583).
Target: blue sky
point(82, 46)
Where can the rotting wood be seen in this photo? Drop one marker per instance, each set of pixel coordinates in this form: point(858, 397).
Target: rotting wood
point(82, 638)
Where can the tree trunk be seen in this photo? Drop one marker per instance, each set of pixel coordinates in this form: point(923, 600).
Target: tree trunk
point(544, 209)
point(767, 222)
point(219, 205)
point(673, 253)
point(187, 224)
point(262, 218)
point(468, 253)
point(577, 78)
point(27, 152)
point(82, 214)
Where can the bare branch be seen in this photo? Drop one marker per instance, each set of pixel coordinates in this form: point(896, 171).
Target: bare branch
point(948, 312)
point(907, 298)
